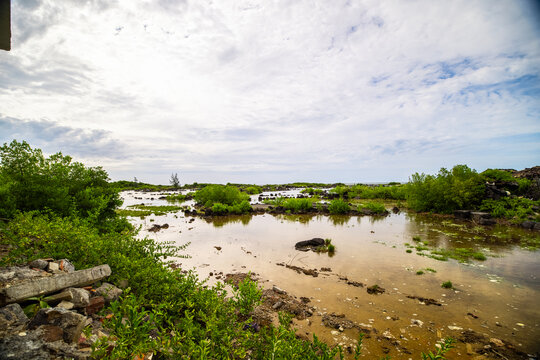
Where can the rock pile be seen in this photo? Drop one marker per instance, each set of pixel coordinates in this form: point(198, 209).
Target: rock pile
point(45, 305)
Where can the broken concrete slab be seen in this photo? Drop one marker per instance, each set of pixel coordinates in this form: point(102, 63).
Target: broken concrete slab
point(109, 292)
point(47, 285)
point(70, 322)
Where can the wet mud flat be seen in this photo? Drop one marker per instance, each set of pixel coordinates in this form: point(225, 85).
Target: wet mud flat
point(491, 310)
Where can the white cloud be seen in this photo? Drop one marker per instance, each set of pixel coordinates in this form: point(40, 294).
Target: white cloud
point(245, 89)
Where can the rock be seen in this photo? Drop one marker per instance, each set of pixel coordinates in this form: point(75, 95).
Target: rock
point(66, 266)
point(336, 321)
point(96, 304)
point(79, 297)
point(416, 322)
point(277, 305)
point(456, 328)
point(309, 244)
point(16, 274)
point(528, 225)
point(157, 227)
point(395, 210)
point(68, 305)
point(53, 266)
point(278, 290)
point(39, 264)
point(482, 218)
point(50, 333)
point(375, 289)
point(12, 318)
point(23, 348)
point(70, 322)
point(109, 292)
point(496, 342)
point(47, 285)
point(462, 214)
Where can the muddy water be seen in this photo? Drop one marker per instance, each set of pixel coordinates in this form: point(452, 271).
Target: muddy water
point(497, 298)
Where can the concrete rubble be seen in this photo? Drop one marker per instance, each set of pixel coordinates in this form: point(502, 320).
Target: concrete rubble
point(60, 303)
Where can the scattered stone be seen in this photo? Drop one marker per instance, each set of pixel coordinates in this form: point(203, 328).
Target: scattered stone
point(39, 264)
point(96, 304)
point(472, 315)
point(66, 266)
point(109, 292)
point(425, 301)
point(456, 328)
point(12, 319)
point(52, 266)
point(79, 297)
point(70, 322)
point(218, 248)
point(496, 342)
point(279, 290)
point(277, 305)
point(375, 289)
point(68, 305)
point(325, 269)
point(355, 283)
point(307, 245)
point(157, 227)
point(336, 321)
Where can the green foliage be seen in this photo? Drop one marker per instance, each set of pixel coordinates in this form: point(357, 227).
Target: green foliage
point(416, 238)
point(247, 295)
point(446, 346)
point(312, 191)
point(374, 207)
point(460, 188)
point(497, 175)
point(30, 181)
point(176, 198)
point(338, 206)
point(447, 285)
point(224, 194)
point(331, 249)
point(298, 205)
point(392, 192)
point(516, 209)
point(221, 209)
point(420, 272)
point(253, 190)
point(341, 190)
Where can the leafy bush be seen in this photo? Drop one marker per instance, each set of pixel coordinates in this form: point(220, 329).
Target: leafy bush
point(447, 285)
point(30, 181)
point(375, 207)
point(341, 190)
point(338, 206)
point(518, 209)
point(253, 190)
point(225, 194)
point(460, 188)
point(395, 192)
point(220, 209)
point(237, 209)
point(247, 295)
point(298, 205)
point(311, 191)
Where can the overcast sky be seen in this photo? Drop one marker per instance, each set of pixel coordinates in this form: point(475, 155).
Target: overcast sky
point(275, 91)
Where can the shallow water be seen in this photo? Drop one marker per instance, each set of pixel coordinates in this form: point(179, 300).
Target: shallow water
point(504, 289)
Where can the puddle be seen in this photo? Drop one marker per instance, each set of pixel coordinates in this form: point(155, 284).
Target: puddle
point(488, 297)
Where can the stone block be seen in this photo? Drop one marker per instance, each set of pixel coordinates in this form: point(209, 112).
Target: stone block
point(109, 292)
point(70, 322)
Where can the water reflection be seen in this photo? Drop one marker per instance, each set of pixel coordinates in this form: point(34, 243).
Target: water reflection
point(220, 221)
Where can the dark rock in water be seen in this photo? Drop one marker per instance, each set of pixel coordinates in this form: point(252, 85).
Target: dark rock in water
point(375, 289)
point(462, 214)
point(395, 210)
point(336, 321)
point(157, 227)
point(309, 244)
point(482, 218)
point(528, 224)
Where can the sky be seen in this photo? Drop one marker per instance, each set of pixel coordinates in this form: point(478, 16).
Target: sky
point(275, 91)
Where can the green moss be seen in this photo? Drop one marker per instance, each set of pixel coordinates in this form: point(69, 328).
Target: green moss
point(447, 285)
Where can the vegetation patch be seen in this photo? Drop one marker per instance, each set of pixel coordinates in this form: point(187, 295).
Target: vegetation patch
point(338, 206)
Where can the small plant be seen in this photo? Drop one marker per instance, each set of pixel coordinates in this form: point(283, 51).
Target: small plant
point(247, 295)
point(408, 251)
point(419, 272)
point(431, 270)
point(327, 242)
point(32, 309)
point(445, 347)
point(447, 285)
point(416, 238)
point(375, 207)
point(331, 249)
point(338, 206)
point(358, 347)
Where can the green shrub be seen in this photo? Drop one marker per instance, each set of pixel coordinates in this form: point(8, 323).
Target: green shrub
point(338, 206)
point(395, 192)
point(298, 205)
point(176, 198)
point(375, 207)
point(220, 209)
point(311, 191)
point(518, 209)
point(30, 181)
point(447, 285)
point(247, 295)
point(461, 188)
point(253, 190)
point(225, 194)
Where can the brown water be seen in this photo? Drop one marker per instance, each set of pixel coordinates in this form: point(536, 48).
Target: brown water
point(502, 290)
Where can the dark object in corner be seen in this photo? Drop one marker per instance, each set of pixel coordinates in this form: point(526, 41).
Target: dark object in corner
point(5, 25)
